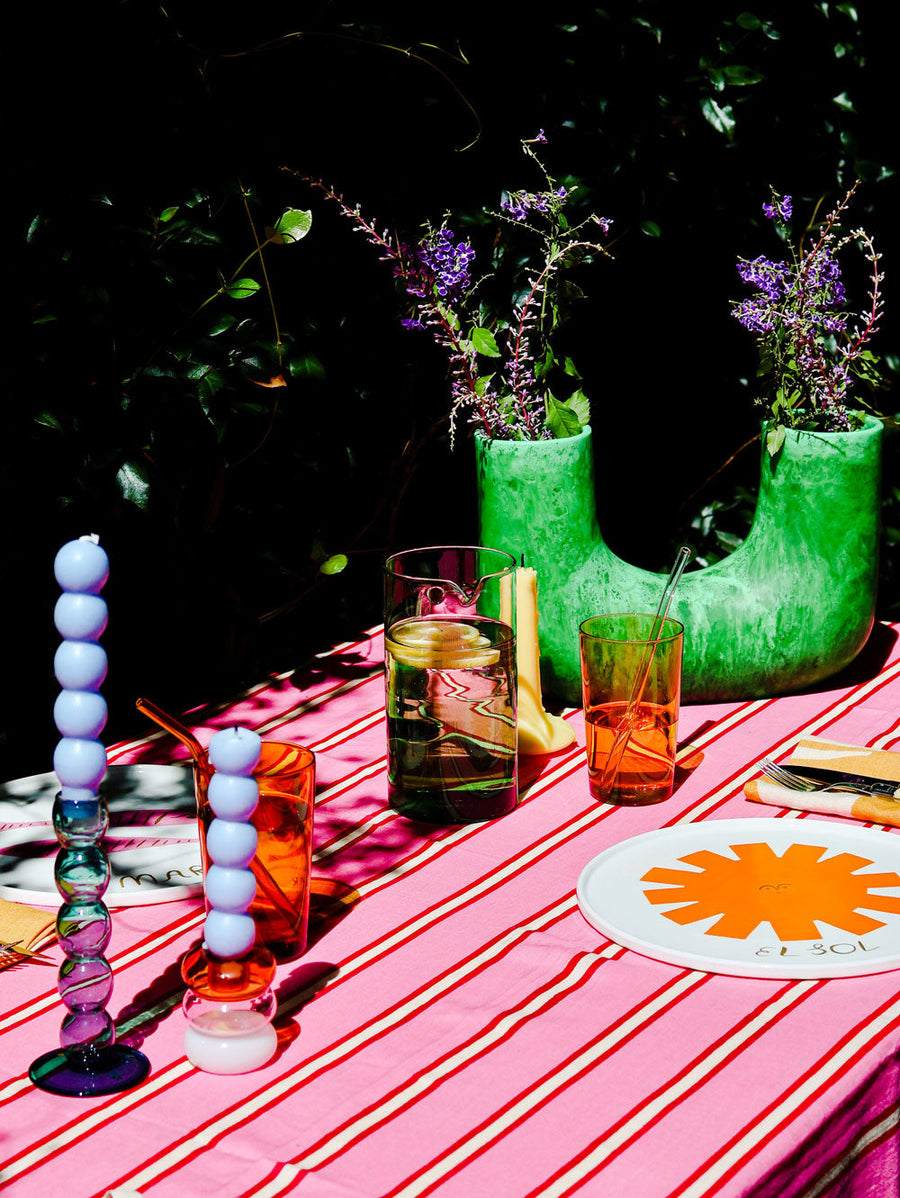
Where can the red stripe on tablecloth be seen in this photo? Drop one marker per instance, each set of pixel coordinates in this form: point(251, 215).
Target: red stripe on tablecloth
point(600, 813)
point(424, 848)
point(683, 975)
point(846, 703)
point(556, 989)
point(554, 776)
point(793, 1112)
point(380, 1025)
point(839, 1143)
point(840, 707)
point(839, 1167)
point(294, 712)
point(339, 736)
point(119, 963)
point(671, 1083)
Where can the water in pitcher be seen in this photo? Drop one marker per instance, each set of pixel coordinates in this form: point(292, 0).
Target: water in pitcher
point(451, 694)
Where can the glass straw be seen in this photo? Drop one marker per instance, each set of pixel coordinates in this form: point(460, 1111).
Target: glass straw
point(623, 735)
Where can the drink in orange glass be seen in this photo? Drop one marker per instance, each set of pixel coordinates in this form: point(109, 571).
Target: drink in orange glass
point(631, 685)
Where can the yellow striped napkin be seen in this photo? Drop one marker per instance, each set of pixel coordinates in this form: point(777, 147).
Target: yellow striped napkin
point(23, 932)
point(833, 755)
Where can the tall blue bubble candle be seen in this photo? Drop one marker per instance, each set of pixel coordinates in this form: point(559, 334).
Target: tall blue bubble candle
point(89, 1062)
point(229, 1002)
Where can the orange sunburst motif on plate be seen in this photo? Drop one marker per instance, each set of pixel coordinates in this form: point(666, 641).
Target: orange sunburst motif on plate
point(792, 891)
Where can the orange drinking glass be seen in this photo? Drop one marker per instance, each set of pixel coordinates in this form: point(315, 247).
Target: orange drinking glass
point(286, 775)
point(631, 685)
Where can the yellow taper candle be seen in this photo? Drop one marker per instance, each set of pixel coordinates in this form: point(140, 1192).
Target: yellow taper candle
point(539, 731)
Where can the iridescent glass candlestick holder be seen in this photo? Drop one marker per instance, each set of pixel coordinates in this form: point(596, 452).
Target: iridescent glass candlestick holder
point(88, 1062)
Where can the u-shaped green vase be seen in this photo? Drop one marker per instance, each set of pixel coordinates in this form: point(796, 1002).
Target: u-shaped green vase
point(792, 605)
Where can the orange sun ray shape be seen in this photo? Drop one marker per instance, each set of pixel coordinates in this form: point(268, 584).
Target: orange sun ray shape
point(792, 892)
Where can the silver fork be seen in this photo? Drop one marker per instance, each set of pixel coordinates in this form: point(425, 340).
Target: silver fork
point(790, 781)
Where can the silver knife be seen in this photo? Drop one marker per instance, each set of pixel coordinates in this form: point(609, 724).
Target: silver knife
point(877, 786)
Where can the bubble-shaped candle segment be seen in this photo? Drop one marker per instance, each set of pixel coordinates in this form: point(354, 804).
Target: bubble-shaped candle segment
point(90, 1062)
point(229, 1003)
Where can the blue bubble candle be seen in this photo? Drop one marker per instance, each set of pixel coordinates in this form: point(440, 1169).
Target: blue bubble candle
point(229, 1003)
point(89, 1061)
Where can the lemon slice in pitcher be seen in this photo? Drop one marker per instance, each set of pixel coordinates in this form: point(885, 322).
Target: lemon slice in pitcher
point(440, 645)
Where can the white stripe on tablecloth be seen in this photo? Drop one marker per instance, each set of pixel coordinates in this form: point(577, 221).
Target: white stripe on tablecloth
point(886, 1125)
point(597, 812)
point(555, 1081)
point(91, 1119)
point(285, 717)
point(659, 1105)
point(327, 1058)
point(832, 1064)
point(121, 961)
point(833, 712)
point(568, 979)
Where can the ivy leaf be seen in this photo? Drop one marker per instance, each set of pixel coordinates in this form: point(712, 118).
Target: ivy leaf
point(222, 323)
point(291, 226)
point(133, 483)
point(208, 386)
point(308, 367)
point(241, 288)
point(561, 419)
point(484, 343)
point(334, 564)
point(579, 403)
point(774, 439)
point(48, 420)
point(721, 118)
point(739, 76)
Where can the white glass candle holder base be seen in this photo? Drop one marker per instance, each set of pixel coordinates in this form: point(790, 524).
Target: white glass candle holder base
point(230, 1041)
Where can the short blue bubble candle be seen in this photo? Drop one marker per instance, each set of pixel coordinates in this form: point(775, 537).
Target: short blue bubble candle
point(229, 1003)
point(89, 1061)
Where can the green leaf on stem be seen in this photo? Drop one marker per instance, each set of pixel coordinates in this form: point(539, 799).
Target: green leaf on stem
point(739, 76)
point(561, 419)
point(579, 403)
point(334, 564)
point(484, 343)
point(241, 288)
point(291, 226)
point(774, 439)
point(721, 117)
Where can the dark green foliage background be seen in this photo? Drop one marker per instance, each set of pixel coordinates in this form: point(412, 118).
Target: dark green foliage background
point(217, 499)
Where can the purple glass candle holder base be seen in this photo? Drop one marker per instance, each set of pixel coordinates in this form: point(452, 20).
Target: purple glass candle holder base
point(80, 1073)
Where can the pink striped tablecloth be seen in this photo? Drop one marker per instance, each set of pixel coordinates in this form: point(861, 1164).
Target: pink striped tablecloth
point(456, 1026)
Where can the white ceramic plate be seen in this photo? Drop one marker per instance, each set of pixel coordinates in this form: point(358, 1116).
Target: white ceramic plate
point(149, 873)
point(778, 898)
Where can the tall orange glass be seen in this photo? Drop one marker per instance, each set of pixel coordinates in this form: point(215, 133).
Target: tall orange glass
point(631, 685)
point(286, 775)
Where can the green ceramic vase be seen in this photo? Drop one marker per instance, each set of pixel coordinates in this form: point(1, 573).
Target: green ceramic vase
point(793, 605)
